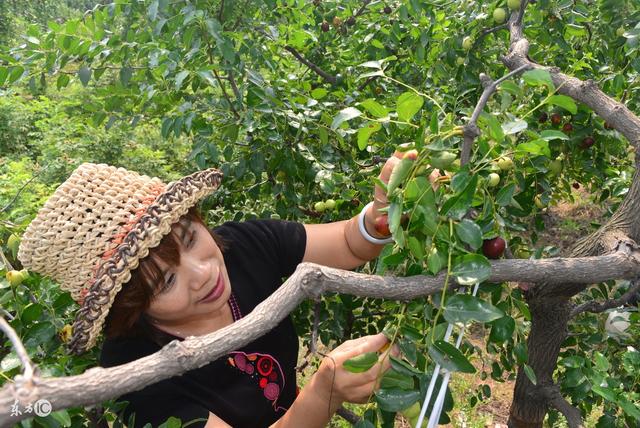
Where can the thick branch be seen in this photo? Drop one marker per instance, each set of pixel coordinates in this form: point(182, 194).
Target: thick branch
point(555, 400)
point(320, 72)
point(596, 307)
point(587, 92)
point(308, 281)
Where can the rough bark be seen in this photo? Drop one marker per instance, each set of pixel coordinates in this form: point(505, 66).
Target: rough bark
point(549, 318)
point(550, 305)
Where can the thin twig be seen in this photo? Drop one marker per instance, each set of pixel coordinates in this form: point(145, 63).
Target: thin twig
point(366, 82)
point(320, 72)
point(597, 307)
point(362, 8)
point(234, 87)
point(484, 33)
point(348, 415)
point(27, 375)
point(225, 94)
point(22, 188)
point(7, 264)
point(220, 11)
point(471, 130)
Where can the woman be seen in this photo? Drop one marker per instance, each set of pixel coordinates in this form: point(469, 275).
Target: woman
point(137, 257)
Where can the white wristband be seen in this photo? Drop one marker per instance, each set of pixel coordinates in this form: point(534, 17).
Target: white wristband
point(364, 232)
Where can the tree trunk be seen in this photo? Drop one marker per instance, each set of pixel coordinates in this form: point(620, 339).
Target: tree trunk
point(548, 330)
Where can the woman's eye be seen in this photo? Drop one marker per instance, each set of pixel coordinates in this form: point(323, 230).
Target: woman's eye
point(191, 239)
point(169, 281)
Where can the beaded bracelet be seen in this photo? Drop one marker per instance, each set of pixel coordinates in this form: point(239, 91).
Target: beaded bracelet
point(364, 232)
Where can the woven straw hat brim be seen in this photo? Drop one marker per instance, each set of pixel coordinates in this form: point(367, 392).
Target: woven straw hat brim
point(145, 234)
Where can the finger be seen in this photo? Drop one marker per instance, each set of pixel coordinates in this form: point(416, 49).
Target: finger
point(371, 343)
point(387, 168)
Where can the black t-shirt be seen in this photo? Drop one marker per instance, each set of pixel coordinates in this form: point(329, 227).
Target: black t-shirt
point(252, 386)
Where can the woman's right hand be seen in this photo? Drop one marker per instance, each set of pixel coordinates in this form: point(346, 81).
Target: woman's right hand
point(333, 382)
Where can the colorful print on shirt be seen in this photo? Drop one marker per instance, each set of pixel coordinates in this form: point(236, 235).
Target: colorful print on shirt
point(265, 370)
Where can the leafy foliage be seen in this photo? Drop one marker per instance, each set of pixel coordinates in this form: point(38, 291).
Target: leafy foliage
point(294, 114)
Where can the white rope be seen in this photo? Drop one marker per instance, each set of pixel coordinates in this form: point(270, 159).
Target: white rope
point(434, 417)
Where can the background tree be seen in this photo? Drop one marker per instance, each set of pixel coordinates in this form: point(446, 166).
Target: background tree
point(299, 101)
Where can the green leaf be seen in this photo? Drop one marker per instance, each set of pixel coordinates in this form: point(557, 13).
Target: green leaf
point(408, 105)
point(415, 246)
point(371, 74)
point(563, 101)
point(125, 75)
point(15, 73)
point(514, 127)
point(395, 380)
point(551, 134)
point(604, 392)
point(464, 308)
point(449, 357)
point(207, 76)
point(495, 130)
point(504, 196)
point(171, 422)
point(530, 374)
point(62, 81)
point(399, 174)
point(471, 268)
point(324, 135)
point(629, 408)
point(180, 79)
point(84, 74)
point(536, 147)
point(521, 352)
point(361, 363)
point(415, 188)
point(9, 362)
point(538, 77)
point(4, 73)
point(98, 117)
point(344, 115)
point(395, 215)
point(375, 108)
point(457, 206)
point(365, 133)
point(31, 313)
point(436, 261)
point(502, 329)
point(470, 233)
point(394, 400)
point(434, 125)
point(319, 93)
point(62, 417)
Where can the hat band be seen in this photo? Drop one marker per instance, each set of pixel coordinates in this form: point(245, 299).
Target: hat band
point(118, 238)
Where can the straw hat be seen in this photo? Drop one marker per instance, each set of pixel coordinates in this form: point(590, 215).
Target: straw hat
point(97, 226)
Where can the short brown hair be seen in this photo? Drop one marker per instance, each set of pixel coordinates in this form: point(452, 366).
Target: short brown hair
point(126, 317)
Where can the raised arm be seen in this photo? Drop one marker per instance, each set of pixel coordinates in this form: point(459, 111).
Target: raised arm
point(340, 244)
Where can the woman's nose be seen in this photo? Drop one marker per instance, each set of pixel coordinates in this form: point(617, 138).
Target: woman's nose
point(200, 273)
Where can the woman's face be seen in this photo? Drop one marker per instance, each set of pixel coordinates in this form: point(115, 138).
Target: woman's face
point(197, 289)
